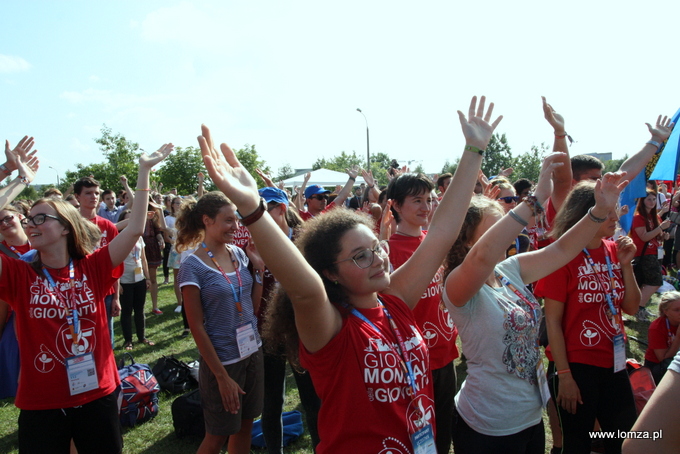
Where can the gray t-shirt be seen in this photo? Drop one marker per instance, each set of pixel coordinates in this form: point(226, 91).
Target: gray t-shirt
point(499, 333)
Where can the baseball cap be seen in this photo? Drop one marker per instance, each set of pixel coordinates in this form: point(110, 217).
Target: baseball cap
point(270, 194)
point(314, 190)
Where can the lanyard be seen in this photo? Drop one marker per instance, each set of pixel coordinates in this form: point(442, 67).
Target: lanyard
point(517, 245)
point(72, 317)
point(533, 305)
point(237, 298)
point(610, 302)
point(15, 250)
point(671, 334)
point(401, 346)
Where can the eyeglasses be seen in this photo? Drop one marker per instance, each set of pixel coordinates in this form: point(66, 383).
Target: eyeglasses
point(38, 219)
point(509, 199)
point(7, 219)
point(364, 258)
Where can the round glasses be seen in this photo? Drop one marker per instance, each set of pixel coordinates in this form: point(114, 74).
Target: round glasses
point(364, 258)
point(7, 219)
point(38, 219)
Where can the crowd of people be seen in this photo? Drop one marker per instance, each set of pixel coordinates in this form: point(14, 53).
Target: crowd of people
point(365, 291)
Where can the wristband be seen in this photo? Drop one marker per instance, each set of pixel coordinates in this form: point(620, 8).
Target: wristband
point(141, 189)
point(24, 180)
point(563, 371)
point(258, 276)
point(474, 149)
point(371, 186)
point(5, 170)
point(561, 136)
point(533, 203)
point(655, 143)
point(254, 216)
point(517, 218)
point(353, 178)
point(595, 218)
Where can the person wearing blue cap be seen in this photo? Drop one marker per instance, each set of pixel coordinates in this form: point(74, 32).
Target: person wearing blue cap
point(316, 197)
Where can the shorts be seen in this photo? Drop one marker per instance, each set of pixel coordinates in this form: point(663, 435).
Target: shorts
point(249, 374)
point(94, 427)
point(647, 270)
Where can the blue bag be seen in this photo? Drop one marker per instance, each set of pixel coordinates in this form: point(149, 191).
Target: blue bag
point(138, 393)
point(292, 429)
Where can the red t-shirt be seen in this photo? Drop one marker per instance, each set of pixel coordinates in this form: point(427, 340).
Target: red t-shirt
point(242, 236)
point(652, 245)
point(366, 403)
point(588, 331)
point(432, 316)
point(109, 232)
point(306, 215)
point(541, 231)
point(43, 333)
point(19, 250)
point(660, 335)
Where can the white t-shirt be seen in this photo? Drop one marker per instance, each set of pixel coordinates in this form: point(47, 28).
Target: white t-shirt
point(499, 333)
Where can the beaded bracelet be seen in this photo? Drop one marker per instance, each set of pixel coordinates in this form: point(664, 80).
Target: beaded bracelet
point(474, 149)
point(517, 218)
point(24, 180)
point(534, 204)
point(5, 170)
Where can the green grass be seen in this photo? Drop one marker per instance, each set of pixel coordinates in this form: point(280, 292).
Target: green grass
point(157, 435)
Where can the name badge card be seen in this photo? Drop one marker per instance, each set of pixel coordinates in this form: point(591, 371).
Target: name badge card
point(619, 353)
point(246, 340)
point(82, 373)
point(423, 441)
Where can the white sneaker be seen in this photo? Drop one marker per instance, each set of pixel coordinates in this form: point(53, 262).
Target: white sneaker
point(178, 309)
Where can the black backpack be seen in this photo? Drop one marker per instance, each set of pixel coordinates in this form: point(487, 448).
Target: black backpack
point(174, 375)
point(187, 415)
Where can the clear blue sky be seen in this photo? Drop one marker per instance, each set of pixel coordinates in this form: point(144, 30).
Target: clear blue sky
point(288, 76)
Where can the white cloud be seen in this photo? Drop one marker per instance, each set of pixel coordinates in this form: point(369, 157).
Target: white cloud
point(11, 64)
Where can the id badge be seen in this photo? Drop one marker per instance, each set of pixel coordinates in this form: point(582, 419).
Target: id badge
point(423, 441)
point(81, 373)
point(619, 353)
point(246, 340)
point(542, 379)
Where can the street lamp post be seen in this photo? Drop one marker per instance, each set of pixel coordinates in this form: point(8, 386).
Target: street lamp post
point(368, 143)
point(57, 174)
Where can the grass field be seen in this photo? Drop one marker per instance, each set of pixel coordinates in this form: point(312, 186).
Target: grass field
point(157, 436)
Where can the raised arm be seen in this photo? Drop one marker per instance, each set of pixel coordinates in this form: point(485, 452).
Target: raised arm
point(411, 279)
point(660, 132)
point(316, 319)
point(562, 175)
point(201, 189)
point(27, 163)
point(128, 191)
point(538, 264)
point(347, 189)
point(122, 244)
point(373, 193)
point(466, 279)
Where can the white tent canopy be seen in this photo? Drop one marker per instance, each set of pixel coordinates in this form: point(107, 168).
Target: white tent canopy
point(322, 177)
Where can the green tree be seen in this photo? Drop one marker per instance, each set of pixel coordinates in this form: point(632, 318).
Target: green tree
point(450, 168)
point(180, 170)
point(528, 165)
point(250, 159)
point(339, 163)
point(419, 169)
point(285, 172)
point(613, 165)
point(498, 155)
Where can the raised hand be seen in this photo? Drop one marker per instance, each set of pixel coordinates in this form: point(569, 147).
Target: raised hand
point(662, 130)
point(266, 178)
point(544, 185)
point(22, 150)
point(368, 177)
point(607, 191)
point(148, 161)
point(556, 120)
point(386, 221)
point(625, 250)
point(227, 173)
point(353, 171)
point(476, 128)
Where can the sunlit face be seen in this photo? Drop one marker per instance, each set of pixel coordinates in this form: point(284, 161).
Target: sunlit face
point(110, 200)
point(10, 224)
point(317, 203)
point(445, 185)
point(507, 204)
point(415, 209)
point(48, 233)
point(89, 197)
point(357, 281)
point(673, 313)
point(223, 228)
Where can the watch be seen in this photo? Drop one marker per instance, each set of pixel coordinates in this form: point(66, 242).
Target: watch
point(254, 216)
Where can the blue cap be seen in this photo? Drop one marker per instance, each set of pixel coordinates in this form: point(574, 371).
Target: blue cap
point(270, 194)
point(314, 190)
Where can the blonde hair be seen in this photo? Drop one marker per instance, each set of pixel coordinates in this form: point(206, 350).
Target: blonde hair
point(667, 299)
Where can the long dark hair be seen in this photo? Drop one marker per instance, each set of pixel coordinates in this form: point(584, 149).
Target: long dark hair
point(650, 216)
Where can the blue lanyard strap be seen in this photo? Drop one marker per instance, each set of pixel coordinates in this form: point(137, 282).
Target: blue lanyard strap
point(532, 303)
point(610, 303)
point(72, 317)
point(237, 298)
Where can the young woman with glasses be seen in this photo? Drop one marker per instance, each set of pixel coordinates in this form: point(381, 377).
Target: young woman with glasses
point(68, 373)
point(350, 320)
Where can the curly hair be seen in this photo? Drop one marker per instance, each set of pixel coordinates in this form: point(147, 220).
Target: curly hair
point(189, 223)
point(479, 206)
point(320, 242)
point(575, 206)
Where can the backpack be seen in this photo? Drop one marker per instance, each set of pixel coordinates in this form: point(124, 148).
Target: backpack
point(174, 375)
point(138, 393)
point(292, 429)
point(187, 415)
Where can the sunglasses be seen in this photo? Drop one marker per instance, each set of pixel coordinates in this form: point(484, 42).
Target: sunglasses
point(509, 199)
point(7, 219)
point(364, 258)
point(38, 219)
point(319, 197)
